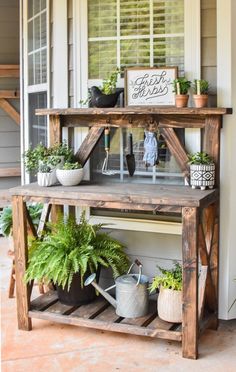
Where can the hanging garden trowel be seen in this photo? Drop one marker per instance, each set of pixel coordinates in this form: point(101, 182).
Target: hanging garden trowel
point(130, 157)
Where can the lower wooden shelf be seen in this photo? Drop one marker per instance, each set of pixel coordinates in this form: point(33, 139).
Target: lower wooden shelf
point(101, 315)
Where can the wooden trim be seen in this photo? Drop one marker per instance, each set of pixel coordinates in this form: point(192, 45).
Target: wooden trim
point(88, 145)
point(21, 258)
point(10, 71)
point(10, 110)
point(13, 94)
point(55, 132)
point(10, 172)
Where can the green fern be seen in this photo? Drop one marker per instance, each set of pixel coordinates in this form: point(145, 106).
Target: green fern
point(69, 248)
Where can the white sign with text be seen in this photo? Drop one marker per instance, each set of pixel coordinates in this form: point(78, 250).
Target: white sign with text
point(150, 86)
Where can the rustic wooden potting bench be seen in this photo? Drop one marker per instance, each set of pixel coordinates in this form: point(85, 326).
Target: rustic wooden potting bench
point(199, 211)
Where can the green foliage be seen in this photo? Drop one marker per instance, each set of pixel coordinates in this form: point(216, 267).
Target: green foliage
point(200, 158)
point(44, 168)
point(32, 157)
point(109, 85)
point(6, 217)
point(170, 279)
point(70, 248)
point(71, 166)
point(204, 86)
point(184, 85)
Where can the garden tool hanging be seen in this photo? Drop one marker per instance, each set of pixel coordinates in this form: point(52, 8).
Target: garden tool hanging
point(130, 159)
point(105, 167)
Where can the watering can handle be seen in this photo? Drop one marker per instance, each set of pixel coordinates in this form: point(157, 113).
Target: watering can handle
point(138, 263)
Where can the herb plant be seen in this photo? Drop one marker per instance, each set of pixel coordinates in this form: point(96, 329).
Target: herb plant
point(203, 85)
point(71, 166)
point(200, 158)
point(181, 84)
point(69, 248)
point(44, 168)
point(35, 211)
point(109, 85)
point(170, 279)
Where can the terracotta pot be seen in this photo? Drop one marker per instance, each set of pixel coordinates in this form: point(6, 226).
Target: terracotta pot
point(200, 100)
point(181, 100)
point(169, 305)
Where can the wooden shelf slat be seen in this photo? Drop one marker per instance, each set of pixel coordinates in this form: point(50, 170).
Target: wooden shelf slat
point(10, 94)
point(9, 71)
point(10, 172)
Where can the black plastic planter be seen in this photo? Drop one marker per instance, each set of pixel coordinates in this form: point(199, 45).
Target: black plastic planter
point(76, 294)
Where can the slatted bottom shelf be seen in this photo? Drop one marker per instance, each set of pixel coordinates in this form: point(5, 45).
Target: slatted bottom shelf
point(101, 315)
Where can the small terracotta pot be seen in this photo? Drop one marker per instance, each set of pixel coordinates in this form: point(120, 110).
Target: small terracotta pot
point(181, 100)
point(200, 100)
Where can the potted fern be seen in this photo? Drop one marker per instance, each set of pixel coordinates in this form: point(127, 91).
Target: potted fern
point(200, 88)
point(169, 301)
point(71, 174)
point(181, 88)
point(202, 170)
point(69, 253)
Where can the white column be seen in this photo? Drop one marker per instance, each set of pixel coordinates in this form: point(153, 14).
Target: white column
point(226, 83)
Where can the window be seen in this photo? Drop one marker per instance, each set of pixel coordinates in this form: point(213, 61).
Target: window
point(127, 33)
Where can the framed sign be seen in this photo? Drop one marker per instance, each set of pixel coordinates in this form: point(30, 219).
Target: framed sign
point(150, 86)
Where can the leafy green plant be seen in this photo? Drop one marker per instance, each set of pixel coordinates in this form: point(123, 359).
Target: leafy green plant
point(203, 86)
point(109, 85)
point(200, 158)
point(70, 248)
point(32, 157)
point(181, 85)
point(170, 279)
point(71, 166)
point(44, 168)
point(35, 211)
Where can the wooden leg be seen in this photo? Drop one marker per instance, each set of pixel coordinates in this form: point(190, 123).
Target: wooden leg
point(214, 267)
point(21, 257)
point(190, 283)
point(12, 281)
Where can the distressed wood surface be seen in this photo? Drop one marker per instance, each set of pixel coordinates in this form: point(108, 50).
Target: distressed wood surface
point(10, 172)
point(21, 258)
point(137, 111)
point(10, 94)
point(119, 195)
point(9, 71)
point(10, 110)
point(190, 283)
point(88, 145)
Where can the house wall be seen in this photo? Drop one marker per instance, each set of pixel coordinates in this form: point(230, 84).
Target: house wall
point(9, 54)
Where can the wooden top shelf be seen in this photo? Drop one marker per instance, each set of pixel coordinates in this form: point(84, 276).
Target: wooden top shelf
point(137, 111)
point(118, 195)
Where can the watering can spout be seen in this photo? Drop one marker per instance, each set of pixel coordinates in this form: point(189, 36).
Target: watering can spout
point(109, 298)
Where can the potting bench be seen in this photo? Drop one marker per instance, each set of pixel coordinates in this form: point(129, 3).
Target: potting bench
point(200, 223)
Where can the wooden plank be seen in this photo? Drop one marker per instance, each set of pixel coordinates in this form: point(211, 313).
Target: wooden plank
point(21, 258)
point(190, 282)
point(30, 223)
point(158, 324)
point(10, 110)
point(10, 172)
point(91, 310)
point(109, 315)
point(5, 198)
point(9, 71)
point(10, 94)
point(44, 218)
point(202, 291)
point(119, 194)
point(88, 145)
point(208, 217)
point(106, 326)
point(41, 303)
point(214, 270)
point(141, 110)
point(143, 320)
point(59, 308)
point(176, 149)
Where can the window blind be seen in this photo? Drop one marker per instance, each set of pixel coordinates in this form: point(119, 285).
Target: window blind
point(134, 32)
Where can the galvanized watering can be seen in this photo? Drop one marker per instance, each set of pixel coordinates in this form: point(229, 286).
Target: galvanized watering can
point(131, 293)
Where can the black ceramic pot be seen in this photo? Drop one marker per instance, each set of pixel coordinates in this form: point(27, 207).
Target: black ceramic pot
point(76, 294)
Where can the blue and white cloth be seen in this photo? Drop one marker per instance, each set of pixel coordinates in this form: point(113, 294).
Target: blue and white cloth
point(150, 149)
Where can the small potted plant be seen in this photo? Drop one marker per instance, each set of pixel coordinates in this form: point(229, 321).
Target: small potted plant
point(108, 94)
point(69, 253)
point(41, 158)
point(46, 175)
point(169, 301)
point(202, 170)
point(181, 87)
point(200, 96)
point(71, 174)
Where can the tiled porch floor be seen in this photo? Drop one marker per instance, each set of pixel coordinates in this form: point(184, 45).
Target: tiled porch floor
point(55, 347)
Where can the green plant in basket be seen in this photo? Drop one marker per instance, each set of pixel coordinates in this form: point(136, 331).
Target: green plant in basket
point(169, 279)
point(70, 248)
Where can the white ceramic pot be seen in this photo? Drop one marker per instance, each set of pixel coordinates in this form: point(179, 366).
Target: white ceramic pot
point(70, 177)
point(59, 165)
point(202, 176)
point(169, 305)
point(46, 179)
